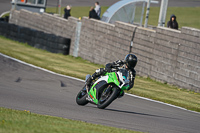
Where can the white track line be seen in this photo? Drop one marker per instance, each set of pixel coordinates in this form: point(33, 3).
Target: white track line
point(161, 103)
point(84, 81)
point(40, 68)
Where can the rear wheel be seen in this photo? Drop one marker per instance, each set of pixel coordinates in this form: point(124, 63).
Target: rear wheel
point(81, 97)
point(107, 97)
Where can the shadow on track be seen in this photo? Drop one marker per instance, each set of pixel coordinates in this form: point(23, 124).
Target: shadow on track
point(131, 112)
point(143, 114)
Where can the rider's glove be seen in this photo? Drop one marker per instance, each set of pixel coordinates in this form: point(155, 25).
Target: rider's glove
point(108, 69)
point(120, 62)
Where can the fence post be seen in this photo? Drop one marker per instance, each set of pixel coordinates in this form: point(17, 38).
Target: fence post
point(163, 12)
point(147, 13)
point(77, 38)
point(141, 19)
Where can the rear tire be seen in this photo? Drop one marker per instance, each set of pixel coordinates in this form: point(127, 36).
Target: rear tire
point(105, 101)
point(81, 97)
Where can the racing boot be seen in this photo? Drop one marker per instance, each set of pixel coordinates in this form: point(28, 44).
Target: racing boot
point(88, 82)
point(121, 94)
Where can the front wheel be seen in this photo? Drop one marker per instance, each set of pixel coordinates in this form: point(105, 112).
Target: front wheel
point(107, 97)
point(81, 97)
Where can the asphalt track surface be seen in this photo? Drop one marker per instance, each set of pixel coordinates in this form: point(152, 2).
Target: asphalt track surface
point(23, 87)
point(5, 5)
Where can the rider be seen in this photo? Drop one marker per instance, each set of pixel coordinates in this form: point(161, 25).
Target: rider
point(129, 63)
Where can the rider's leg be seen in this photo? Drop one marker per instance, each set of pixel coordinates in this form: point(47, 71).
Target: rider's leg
point(94, 76)
point(121, 94)
point(89, 80)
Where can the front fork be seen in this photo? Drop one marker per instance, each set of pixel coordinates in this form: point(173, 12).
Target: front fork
point(87, 89)
point(108, 90)
point(121, 93)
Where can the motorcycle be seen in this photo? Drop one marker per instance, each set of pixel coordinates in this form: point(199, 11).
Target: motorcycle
point(105, 89)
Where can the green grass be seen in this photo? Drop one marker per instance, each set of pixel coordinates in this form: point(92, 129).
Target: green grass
point(67, 65)
point(12, 121)
point(149, 88)
point(7, 14)
point(79, 68)
point(186, 16)
point(77, 11)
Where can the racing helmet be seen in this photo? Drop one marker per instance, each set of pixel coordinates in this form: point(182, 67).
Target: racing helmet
point(130, 61)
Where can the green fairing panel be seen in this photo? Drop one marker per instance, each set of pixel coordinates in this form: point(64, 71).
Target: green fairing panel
point(92, 94)
point(112, 78)
point(125, 87)
point(109, 78)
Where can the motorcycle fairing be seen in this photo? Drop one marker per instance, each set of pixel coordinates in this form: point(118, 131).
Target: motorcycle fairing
point(102, 83)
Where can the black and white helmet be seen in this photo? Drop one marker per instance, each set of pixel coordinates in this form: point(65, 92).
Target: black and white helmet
point(130, 61)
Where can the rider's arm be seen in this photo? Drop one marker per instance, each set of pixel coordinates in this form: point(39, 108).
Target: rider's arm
point(118, 63)
point(108, 68)
point(97, 73)
point(132, 78)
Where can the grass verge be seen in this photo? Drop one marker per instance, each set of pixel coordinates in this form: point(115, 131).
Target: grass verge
point(12, 121)
point(186, 16)
point(79, 68)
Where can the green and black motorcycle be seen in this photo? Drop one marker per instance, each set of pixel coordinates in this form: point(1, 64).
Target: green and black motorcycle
point(104, 90)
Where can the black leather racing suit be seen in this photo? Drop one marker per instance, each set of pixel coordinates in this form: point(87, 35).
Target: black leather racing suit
point(108, 68)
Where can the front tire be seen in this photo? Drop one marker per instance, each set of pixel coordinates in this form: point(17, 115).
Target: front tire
point(81, 97)
point(107, 99)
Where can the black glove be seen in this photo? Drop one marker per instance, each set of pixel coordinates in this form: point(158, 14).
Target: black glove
point(108, 67)
point(119, 62)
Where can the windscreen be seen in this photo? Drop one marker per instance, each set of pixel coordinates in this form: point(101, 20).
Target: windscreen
point(124, 73)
